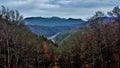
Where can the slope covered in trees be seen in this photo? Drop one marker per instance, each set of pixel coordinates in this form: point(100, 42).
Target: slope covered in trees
point(95, 46)
point(19, 47)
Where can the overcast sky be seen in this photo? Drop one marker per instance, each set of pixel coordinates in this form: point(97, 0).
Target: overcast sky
point(61, 8)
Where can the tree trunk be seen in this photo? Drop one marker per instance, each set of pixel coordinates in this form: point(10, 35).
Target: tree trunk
point(8, 54)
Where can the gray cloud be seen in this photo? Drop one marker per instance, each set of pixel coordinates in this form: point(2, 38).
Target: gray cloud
point(61, 8)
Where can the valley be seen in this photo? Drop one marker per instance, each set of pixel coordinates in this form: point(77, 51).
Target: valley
point(49, 27)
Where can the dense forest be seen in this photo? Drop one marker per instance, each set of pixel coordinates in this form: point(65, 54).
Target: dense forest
point(96, 45)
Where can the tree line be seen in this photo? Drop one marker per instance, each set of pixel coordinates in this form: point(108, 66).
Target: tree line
point(11, 15)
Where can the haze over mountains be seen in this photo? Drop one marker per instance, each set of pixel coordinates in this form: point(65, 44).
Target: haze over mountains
point(56, 27)
point(52, 26)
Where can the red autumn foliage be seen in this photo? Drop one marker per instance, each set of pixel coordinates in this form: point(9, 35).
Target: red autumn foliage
point(46, 51)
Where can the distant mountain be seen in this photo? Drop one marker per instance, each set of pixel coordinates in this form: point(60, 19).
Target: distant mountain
point(53, 21)
point(47, 30)
point(51, 26)
point(64, 36)
point(56, 28)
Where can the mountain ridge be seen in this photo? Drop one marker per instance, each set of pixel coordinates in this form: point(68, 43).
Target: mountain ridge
point(38, 20)
point(51, 26)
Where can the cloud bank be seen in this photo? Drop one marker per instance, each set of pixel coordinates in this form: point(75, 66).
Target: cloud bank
point(62, 8)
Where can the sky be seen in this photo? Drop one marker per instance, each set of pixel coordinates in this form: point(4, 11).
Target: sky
point(60, 8)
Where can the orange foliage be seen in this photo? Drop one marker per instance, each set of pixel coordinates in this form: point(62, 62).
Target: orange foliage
point(46, 51)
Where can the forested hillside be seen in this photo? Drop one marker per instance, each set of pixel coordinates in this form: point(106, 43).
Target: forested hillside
point(19, 47)
point(97, 45)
